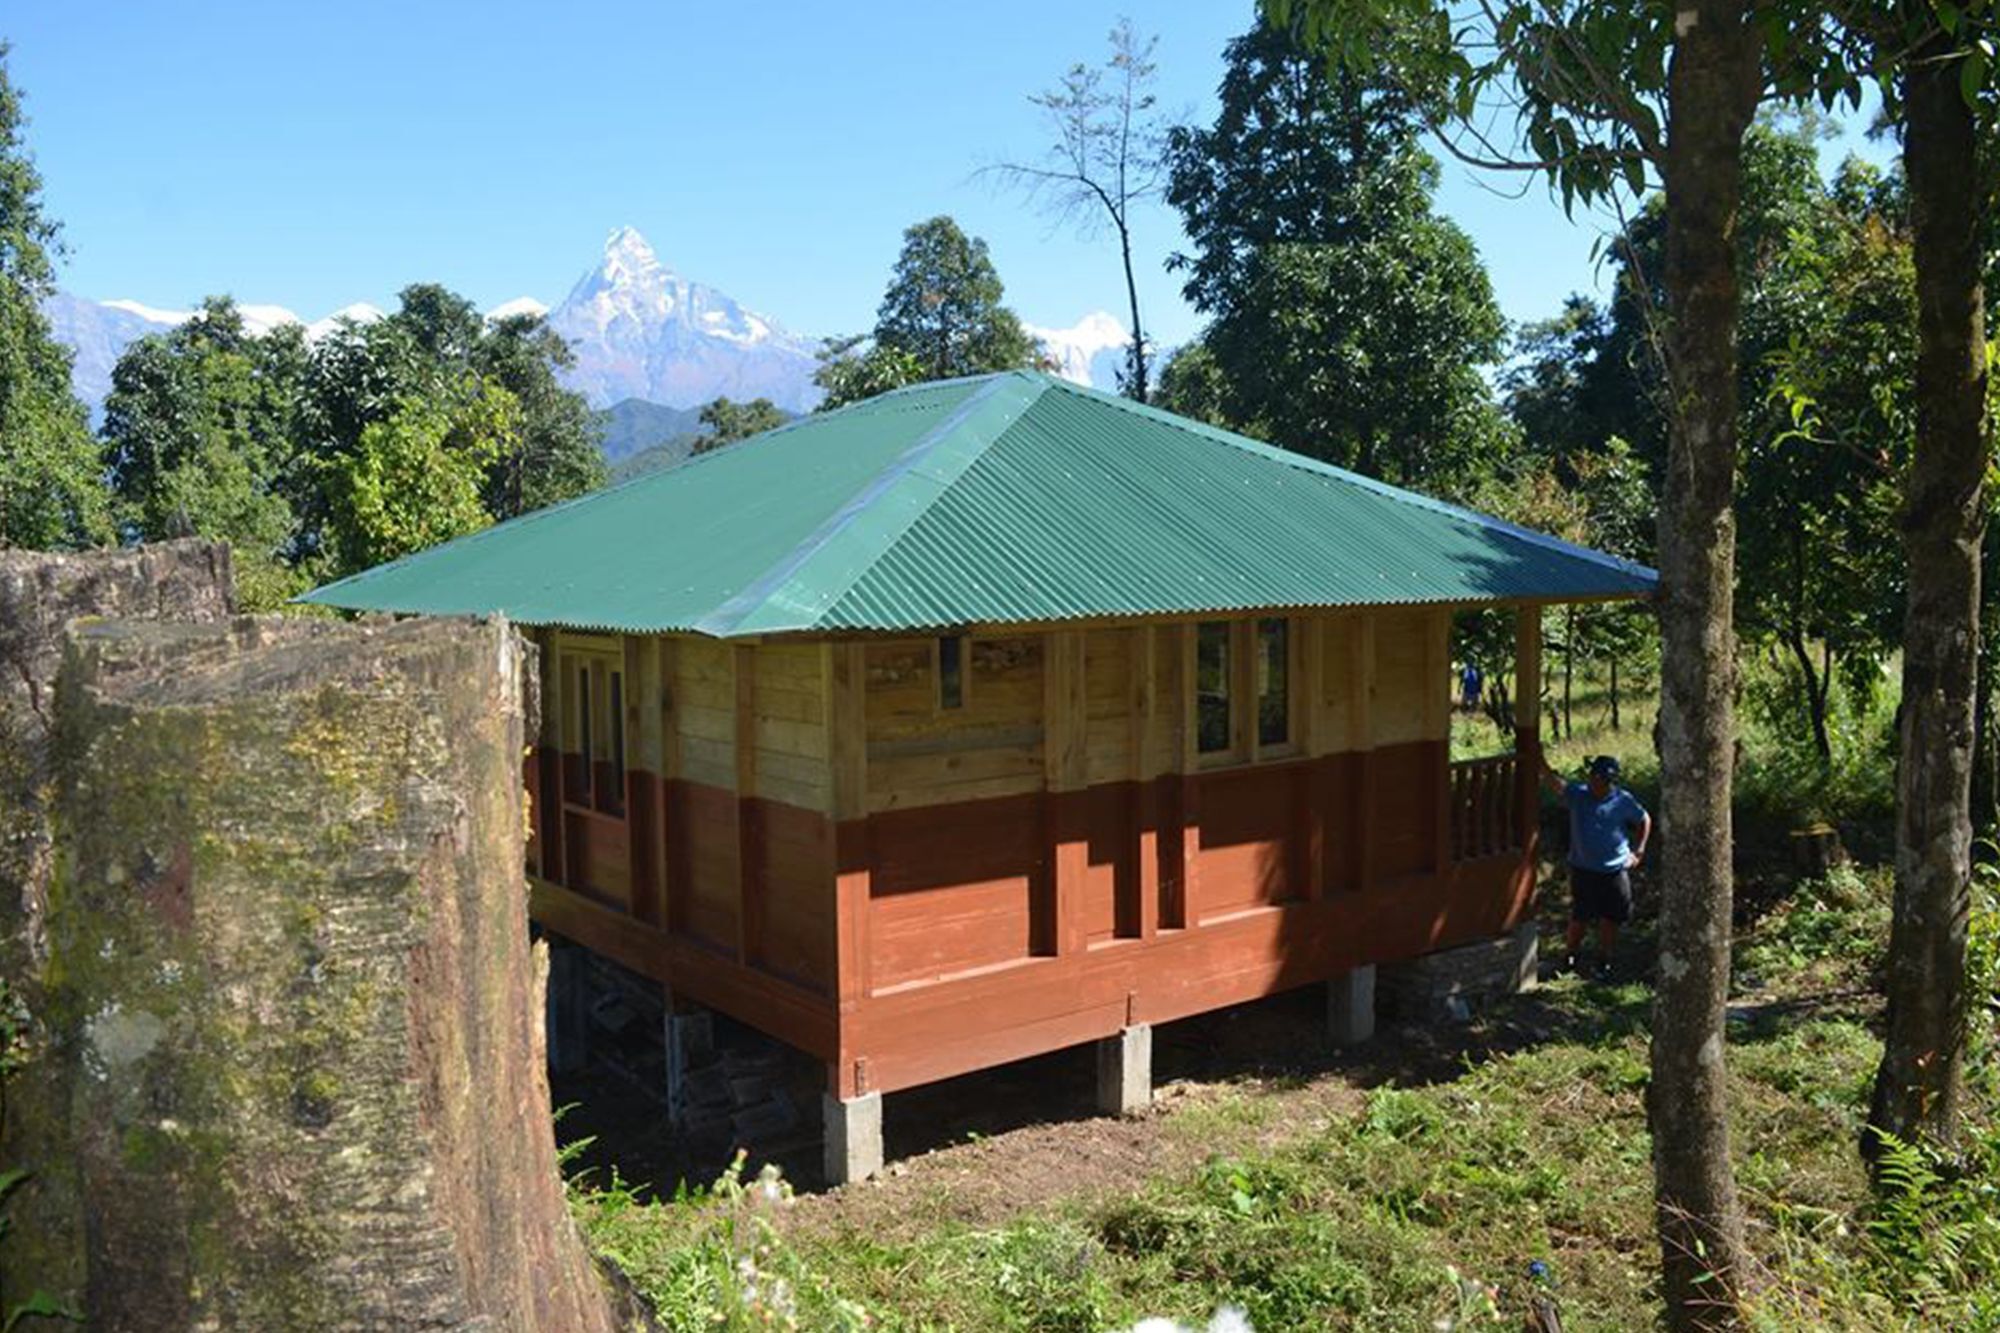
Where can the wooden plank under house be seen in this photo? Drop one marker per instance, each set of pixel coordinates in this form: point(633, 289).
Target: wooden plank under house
point(997, 716)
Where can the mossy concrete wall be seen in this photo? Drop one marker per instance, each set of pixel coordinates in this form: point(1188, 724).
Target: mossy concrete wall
point(294, 1073)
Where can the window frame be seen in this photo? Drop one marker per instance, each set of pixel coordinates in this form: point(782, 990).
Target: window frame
point(604, 731)
point(1244, 646)
point(939, 707)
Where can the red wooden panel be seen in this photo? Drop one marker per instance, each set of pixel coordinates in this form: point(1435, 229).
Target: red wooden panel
point(1405, 780)
point(951, 887)
point(795, 861)
point(1111, 888)
point(706, 825)
point(599, 856)
point(1249, 823)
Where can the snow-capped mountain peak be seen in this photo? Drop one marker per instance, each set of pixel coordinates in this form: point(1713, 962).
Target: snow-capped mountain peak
point(520, 305)
point(361, 312)
point(1089, 351)
point(151, 314)
point(640, 330)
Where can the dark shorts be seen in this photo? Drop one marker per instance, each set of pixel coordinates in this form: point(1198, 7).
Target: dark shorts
point(1600, 895)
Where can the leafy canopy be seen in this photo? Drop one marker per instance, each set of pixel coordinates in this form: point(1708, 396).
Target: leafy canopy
point(51, 494)
point(1348, 320)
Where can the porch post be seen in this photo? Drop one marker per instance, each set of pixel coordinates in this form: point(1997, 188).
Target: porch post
point(1527, 717)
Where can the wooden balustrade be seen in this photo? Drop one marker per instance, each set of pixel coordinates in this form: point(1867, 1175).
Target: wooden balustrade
point(1485, 800)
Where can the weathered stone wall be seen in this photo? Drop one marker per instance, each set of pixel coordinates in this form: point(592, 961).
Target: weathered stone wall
point(1453, 984)
point(294, 1075)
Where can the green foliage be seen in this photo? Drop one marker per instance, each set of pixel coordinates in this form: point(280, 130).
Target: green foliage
point(1348, 321)
point(728, 1268)
point(1783, 783)
point(851, 369)
point(555, 452)
point(198, 441)
point(315, 461)
point(940, 318)
point(729, 421)
point(943, 307)
point(51, 496)
point(414, 478)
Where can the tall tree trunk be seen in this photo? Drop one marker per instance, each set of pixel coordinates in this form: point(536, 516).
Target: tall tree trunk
point(1135, 356)
point(1614, 690)
point(1919, 1085)
point(1817, 684)
point(1713, 86)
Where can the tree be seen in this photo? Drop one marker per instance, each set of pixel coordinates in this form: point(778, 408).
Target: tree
point(1347, 320)
point(51, 492)
point(943, 310)
point(1191, 385)
point(496, 385)
point(197, 441)
point(1830, 322)
point(414, 477)
point(729, 421)
point(1105, 159)
point(1942, 67)
point(1604, 95)
point(555, 454)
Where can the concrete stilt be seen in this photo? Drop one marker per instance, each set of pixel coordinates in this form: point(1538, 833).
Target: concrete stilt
point(1125, 1071)
point(1350, 1006)
point(568, 1006)
point(853, 1133)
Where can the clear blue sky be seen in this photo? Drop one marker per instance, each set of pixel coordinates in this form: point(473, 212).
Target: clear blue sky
point(314, 155)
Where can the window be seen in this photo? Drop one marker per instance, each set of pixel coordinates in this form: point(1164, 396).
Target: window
point(1274, 697)
point(1211, 686)
point(584, 748)
point(618, 724)
point(594, 746)
point(951, 671)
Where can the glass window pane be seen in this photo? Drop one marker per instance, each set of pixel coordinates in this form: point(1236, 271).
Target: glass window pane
point(951, 671)
point(584, 748)
point(1211, 687)
point(1274, 723)
point(617, 722)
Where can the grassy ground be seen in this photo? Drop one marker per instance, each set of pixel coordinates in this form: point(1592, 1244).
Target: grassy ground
point(1435, 1180)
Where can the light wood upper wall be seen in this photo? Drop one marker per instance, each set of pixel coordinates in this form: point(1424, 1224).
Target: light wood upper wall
point(922, 754)
point(1137, 709)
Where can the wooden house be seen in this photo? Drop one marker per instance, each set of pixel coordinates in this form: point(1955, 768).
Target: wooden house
point(997, 715)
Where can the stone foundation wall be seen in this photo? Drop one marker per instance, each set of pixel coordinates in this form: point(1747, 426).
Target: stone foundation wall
point(1453, 984)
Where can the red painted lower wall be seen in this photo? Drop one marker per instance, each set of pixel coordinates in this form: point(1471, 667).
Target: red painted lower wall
point(917, 944)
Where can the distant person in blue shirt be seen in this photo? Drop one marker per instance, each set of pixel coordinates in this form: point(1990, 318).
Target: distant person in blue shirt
point(1603, 819)
point(1469, 681)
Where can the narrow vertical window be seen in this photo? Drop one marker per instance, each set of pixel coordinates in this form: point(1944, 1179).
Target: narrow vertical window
point(1274, 697)
point(585, 748)
point(614, 799)
point(951, 671)
point(1211, 685)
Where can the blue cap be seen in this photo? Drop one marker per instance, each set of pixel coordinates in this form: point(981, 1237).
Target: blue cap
point(1604, 766)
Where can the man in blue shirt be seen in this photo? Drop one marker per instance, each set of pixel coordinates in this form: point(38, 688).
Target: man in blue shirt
point(1602, 853)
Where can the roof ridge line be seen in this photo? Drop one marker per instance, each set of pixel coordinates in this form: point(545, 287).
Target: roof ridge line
point(732, 614)
point(1305, 463)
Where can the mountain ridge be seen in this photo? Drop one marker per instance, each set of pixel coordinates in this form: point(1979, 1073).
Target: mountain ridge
point(639, 331)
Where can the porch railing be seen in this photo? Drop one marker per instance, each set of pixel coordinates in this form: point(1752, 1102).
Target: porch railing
point(1485, 807)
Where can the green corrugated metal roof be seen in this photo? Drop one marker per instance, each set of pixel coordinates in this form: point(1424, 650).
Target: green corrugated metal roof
point(1010, 497)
